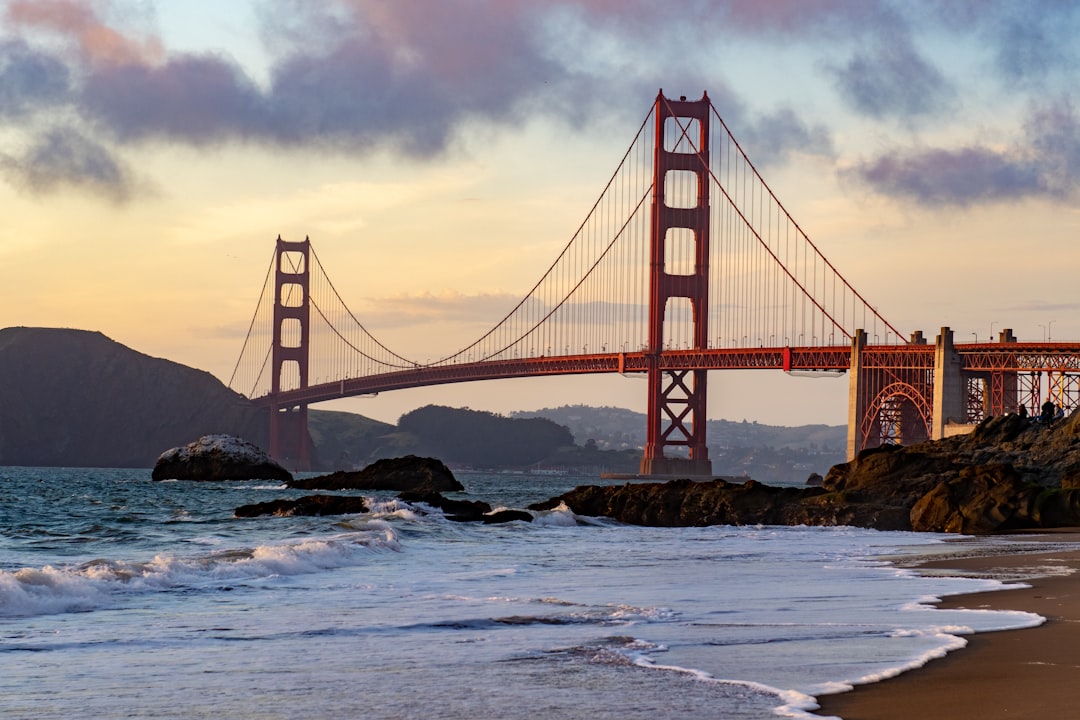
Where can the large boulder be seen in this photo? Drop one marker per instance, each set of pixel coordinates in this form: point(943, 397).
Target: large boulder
point(983, 499)
point(404, 474)
point(218, 457)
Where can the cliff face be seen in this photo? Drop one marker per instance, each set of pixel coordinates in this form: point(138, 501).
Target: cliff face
point(77, 398)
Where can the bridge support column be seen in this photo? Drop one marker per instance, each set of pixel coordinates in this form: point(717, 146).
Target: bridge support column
point(290, 442)
point(676, 409)
point(858, 395)
point(950, 388)
point(1004, 392)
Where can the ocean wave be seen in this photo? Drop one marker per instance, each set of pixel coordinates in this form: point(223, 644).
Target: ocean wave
point(636, 652)
point(103, 582)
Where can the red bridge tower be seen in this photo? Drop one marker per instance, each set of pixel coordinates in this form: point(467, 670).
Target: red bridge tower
point(289, 440)
point(676, 409)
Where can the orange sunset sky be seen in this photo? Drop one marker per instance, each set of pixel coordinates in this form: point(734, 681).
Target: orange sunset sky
point(440, 153)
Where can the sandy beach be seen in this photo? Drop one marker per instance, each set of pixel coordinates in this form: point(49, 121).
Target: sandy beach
point(1011, 674)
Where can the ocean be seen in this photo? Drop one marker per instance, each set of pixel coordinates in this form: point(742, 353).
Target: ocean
point(121, 597)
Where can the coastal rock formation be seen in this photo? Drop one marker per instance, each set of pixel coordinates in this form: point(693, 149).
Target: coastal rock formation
point(404, 474)
point(1009, 474)
point(307, 505)
point(459, 510)
point(218, 457)
point(679, 503)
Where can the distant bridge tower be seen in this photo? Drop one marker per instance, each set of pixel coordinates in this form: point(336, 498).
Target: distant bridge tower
point(289, 441)
point(676, 409)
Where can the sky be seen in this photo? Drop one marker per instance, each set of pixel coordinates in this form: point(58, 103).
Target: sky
point(439, 153)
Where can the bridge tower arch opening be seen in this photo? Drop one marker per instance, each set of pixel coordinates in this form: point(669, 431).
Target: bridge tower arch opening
point(676, 413)
point(899, 415)
point(289, 439)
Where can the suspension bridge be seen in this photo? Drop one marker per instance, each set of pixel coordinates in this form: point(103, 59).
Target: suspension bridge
point(686, 263)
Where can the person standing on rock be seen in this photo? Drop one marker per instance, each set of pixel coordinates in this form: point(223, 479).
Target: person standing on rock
point(1022, 410)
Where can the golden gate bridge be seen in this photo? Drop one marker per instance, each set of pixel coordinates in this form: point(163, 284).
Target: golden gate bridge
point(686, 263)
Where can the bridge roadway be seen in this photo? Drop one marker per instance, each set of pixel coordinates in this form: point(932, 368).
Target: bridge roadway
point(973, 357)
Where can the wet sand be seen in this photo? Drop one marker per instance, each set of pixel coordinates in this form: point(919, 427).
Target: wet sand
point(1031, 673)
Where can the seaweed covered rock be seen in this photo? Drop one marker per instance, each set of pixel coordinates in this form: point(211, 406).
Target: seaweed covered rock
point(218, 457)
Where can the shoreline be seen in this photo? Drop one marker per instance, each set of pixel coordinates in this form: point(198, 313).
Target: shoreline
point(1006, 674)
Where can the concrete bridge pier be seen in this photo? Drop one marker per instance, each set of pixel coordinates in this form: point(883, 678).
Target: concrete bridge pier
point(950, 387)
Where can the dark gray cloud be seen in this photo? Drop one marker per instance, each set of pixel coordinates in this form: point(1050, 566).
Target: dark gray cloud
point(942, 177)
point(1053, 132)
point(1046, 164)
point(30, 80)
point(356, 75)
point(772, 139)
point(893, 81)
point(1026, 49)
point(64, 158)
point(198, 100)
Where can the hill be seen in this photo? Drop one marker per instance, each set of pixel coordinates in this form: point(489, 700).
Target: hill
point(76, 398)
point(767, 453)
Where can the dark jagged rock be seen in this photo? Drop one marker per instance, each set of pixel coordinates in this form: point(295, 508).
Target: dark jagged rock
point(218, 457)
point(409, 473)
point(1007, 475)
point(505, 516)
point(307, 505)
point(466, 510)
point(459, 510)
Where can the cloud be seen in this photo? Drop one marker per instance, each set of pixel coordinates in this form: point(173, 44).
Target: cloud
point(30, 80)
point(940, 177)
point(1025, 49)
point(354, 76)
point(79, 22)
point(426, 308)
point(773, 138)
point(892, 81)
point(1045, 164)
point(64, 158)
point(199, 100)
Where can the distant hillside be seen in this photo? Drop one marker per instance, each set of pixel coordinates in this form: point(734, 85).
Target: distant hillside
point(617, 428)
point(345, 440)
point(765, 452)
point(76, 398)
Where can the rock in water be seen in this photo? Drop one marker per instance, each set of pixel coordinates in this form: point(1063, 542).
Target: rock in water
point(218, 457)
point(307, 505)
point(404, 474)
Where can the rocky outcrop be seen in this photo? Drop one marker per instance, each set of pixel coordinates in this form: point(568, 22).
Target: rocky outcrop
point(404, 474)
point(679, 503)
point(1009, 474)
point(218, 457)
point(307, 505)
point(459, 510)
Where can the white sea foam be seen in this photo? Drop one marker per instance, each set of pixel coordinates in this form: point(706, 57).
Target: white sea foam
point(793, 704)
point(560, 516)
point(99, 583)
